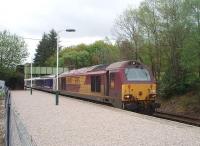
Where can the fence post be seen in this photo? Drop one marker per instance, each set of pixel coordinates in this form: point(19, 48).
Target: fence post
point(8, 119)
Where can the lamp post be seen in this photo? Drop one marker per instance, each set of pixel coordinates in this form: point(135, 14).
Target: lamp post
point(57, 62)
point(31, 90)
point(31, 75)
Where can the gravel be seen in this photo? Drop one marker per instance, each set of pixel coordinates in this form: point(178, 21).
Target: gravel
point(77, 122)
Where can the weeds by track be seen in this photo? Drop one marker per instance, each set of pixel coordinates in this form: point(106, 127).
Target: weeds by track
point(178, 118)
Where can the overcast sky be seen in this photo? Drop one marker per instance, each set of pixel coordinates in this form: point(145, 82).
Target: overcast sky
point(92, 19)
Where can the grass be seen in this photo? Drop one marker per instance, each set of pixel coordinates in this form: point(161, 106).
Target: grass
point(1, 94)
point(1, 124)
point(187, 104)
point(191, 102)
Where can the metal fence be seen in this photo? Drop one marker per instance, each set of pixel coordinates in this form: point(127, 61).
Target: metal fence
point(16, 133)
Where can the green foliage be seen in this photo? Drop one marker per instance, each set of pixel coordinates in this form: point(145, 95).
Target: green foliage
point(166, 36)
point(82, 55)
point(46, 48)
point(12, 50)
point(2, 94)
point(171, 85)
point(7, 75)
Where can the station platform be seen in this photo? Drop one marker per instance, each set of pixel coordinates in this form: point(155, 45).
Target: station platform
point(78, 122)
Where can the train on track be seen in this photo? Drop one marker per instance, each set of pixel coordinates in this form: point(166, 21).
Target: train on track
point(125, 84)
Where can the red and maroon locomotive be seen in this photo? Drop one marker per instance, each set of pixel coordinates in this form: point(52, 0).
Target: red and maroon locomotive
point(125, 84)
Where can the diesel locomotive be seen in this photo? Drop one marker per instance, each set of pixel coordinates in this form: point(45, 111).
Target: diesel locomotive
point(125, 84)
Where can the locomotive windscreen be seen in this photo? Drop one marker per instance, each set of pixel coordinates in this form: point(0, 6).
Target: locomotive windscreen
point(137, 74)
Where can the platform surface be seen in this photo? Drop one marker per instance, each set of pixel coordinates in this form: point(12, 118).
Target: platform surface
point(77, 122)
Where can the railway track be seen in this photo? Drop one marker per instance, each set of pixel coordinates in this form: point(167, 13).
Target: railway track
point(178, 118)
point(168, 116)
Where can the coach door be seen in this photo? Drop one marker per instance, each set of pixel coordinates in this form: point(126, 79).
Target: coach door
point(63, 83)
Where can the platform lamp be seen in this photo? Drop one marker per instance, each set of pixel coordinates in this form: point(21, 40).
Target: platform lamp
point(57, 62)
point(31, 75)
point(31, 90)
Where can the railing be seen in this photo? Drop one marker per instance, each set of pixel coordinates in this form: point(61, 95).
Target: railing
point(41, 71)
point(16, 133)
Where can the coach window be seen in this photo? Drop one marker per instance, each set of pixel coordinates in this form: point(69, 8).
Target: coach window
point(95, 83)
point(112, 80)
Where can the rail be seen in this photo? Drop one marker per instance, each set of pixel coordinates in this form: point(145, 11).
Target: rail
point(178, 118)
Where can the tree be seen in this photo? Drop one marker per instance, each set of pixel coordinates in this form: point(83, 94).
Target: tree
point(46, 48)
point(13, 50)
point(191, 50)
point(102, 53)
point(82, 55)
point(166, 36)
point(126, 49)
point(127, 29)
point(149, 20)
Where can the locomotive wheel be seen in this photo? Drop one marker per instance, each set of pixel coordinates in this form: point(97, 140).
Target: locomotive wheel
point(150, 110)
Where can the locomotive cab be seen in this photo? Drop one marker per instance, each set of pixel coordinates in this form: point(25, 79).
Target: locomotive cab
point(138, 84)
point(138, 88)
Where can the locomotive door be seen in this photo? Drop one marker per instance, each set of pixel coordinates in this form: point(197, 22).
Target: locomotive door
point(112, 84)
point(107, 83)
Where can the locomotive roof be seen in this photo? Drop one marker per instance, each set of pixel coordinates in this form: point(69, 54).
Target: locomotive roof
point(75, 71)
point(85, 70)
point(98, 69)
point(122, 64)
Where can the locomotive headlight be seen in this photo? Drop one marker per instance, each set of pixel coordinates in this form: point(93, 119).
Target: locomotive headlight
point(153, 91)
point(127, 96)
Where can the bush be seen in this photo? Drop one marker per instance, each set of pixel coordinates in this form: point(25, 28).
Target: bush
point(171, 85)
point(13, 78)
